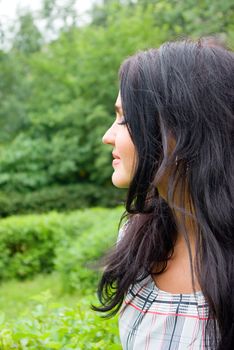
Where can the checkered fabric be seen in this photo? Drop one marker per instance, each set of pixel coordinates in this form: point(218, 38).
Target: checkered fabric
point(151, 319)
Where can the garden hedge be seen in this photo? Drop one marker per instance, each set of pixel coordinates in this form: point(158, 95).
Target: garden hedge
point(32, 244)
point(60, 198)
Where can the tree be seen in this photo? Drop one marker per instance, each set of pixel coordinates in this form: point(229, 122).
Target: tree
point(28, 38)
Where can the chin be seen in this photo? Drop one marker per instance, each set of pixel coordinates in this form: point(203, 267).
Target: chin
point(119, 182)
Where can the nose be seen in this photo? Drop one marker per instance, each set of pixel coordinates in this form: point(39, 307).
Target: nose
point(109, 137)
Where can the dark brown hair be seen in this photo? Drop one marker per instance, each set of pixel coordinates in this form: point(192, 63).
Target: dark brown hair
point(185, 88)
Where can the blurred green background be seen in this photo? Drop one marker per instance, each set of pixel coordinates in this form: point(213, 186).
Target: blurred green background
point(59, 211)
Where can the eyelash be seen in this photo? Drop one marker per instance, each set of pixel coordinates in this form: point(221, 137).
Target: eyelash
point(123, 122)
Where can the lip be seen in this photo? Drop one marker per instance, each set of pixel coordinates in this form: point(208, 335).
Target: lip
point(116, 159)
point(115, 156)
point(115, 162)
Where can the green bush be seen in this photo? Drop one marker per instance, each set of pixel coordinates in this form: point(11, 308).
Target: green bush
point(27, 244)
point(59, 198)
point(50, 326)
point(69, 243)
point(75, 260)
point(40, 243)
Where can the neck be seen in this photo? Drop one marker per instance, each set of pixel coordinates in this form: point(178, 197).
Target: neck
point(184, 215)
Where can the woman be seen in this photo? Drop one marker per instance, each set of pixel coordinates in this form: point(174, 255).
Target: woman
point(171, 274)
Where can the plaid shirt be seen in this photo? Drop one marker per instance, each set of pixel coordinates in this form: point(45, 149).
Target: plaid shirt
point(151, 319)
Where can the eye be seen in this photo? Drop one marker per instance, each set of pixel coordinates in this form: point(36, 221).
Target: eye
point(122, 122)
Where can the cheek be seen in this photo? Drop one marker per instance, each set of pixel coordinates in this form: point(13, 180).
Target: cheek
point(124, 172)
point(125, 144)
point(129, 155)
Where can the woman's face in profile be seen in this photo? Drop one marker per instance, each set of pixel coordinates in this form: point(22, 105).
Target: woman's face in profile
point(124, 153)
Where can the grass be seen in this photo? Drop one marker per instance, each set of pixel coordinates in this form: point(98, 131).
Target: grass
point(16, 297)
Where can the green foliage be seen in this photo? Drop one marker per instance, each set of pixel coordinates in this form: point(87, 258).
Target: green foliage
point(14, 91)
point(16, 295)
point(41, 243)
point(27, 244)
point(59, 198)
point(74, 242)
point(193, 18)
point(28, 38)
point(56, 151)
point(75, 260)
point(52, 327)
point(73, 85)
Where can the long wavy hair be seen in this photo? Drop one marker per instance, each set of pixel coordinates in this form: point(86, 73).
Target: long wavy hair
point(184, 89)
